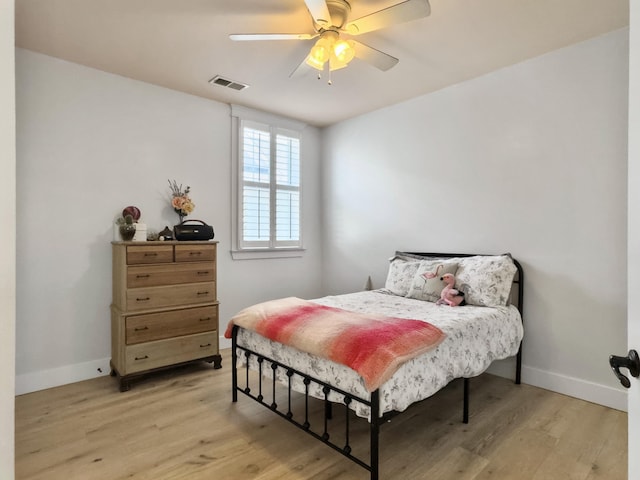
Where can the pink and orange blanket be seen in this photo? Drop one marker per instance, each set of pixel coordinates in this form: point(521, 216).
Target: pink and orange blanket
point(375, 346)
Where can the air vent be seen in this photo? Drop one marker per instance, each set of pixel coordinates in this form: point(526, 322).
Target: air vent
point(224, 82)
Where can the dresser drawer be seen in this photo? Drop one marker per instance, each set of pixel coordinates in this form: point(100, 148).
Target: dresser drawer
point(145, 356)
point(176, 323)
point(195, 253)
point(170, 274)
point(149, 254)
point(170, 296)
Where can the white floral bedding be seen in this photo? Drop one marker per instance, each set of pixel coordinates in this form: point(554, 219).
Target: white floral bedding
point(476, 336)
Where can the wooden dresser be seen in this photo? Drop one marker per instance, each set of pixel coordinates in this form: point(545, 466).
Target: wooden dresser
point(165, 309)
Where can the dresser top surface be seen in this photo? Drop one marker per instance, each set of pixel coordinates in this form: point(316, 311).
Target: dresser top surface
point(167, 242)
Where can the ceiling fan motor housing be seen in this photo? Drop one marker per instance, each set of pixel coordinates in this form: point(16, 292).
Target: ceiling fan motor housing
point(339, 11)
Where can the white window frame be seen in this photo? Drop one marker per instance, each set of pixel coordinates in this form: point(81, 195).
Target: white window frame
point(241, 250)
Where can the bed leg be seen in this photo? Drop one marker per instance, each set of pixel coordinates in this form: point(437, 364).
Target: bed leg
point(519, 365)
point(375, 433)
point(234, 365)
point(465, 402)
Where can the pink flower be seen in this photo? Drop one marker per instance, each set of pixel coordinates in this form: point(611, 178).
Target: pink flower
point(177, 202)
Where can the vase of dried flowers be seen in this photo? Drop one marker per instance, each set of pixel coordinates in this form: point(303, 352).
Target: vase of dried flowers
point(180, 200)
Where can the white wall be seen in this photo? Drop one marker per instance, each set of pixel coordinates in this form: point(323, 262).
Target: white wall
point(531, 160)
point(7, 257)
point(88, 144)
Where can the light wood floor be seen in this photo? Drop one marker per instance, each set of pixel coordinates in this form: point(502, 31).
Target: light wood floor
point(182, 425)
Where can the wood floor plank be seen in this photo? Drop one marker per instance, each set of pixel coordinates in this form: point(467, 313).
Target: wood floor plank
point(182, 425)
point(611, 460)
point(458, 463)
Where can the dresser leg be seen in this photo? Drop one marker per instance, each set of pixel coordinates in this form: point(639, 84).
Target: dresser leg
point(217, 361)
point(125, 385)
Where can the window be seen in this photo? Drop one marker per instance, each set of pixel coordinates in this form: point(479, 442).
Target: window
point(267, 211)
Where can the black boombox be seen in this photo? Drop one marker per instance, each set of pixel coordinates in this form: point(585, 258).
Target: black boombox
point(188, 231)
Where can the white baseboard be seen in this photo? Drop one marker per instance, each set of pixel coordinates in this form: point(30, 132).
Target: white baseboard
point(565, 385)
point(55, 377)
point(574, 387)
point(32, 382)
point(225, 342)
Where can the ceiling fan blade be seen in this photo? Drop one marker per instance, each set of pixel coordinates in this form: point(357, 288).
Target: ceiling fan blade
point(374, 57)
point(399, 13)
point(319, 11)
point(241, 37)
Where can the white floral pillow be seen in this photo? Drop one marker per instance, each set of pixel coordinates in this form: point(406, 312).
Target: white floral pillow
point(400, 275)
point(486, 280)
point(429, 289)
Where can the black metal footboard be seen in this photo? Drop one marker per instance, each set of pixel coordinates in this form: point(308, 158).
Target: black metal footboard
point(266, 395)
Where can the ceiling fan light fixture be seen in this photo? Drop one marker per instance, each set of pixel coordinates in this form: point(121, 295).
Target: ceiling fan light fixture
point(330, 48)
point(314, 62)
point(344, 51)
point(335, 63)
point(321, 51)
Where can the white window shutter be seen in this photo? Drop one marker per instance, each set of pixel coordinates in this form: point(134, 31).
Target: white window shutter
point(269, 186)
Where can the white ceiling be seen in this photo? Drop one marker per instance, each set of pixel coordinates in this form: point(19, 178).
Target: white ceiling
point(181, 44)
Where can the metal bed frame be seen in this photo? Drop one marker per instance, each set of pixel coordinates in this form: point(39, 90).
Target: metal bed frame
point(373, 402)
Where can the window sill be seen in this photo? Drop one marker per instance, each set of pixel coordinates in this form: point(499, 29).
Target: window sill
point(267, 253)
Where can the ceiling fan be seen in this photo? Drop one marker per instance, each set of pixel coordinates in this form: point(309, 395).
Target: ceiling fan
point(331, 21)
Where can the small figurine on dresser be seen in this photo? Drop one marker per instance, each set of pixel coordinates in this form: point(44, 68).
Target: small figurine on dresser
point(166, 234)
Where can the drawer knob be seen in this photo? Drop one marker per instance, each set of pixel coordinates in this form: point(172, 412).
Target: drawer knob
point(152, 254)
point(202, 293)
point(195, 253)
point(203, 273)
point(206, 319)
point(143, 276)
point(142, 358)
point(139, 329)
point(205, 346)
point(144, 299)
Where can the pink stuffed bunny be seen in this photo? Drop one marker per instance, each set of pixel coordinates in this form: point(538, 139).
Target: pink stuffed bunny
point(450, 295)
